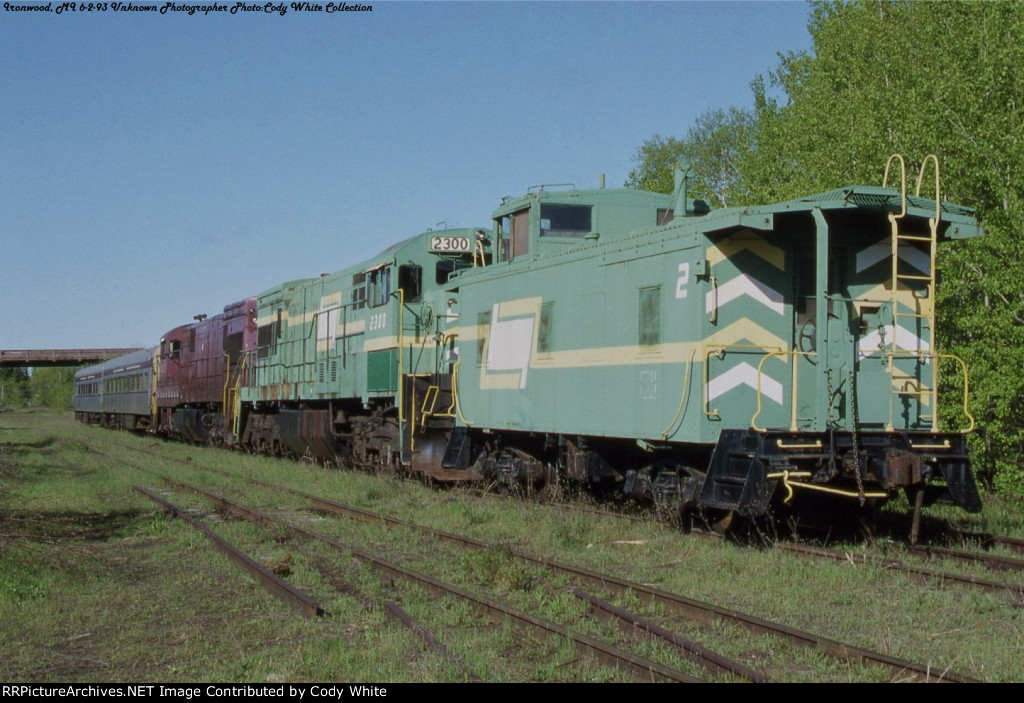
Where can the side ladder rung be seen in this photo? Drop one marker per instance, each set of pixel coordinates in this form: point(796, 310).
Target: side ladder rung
point(913, 238)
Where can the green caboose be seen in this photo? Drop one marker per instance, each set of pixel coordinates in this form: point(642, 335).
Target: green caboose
point(699, 357)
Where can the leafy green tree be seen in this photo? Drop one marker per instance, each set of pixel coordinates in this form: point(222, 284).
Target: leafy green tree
point(912, 78)
point(53, 387)
point(920, 78)
point(713, 146)
point(655, 160)
point(14, 390)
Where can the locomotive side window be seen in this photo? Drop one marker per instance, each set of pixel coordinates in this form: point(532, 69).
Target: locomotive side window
point(564, 220)
point(359, 291)
point(266, 338)
point(378, 286)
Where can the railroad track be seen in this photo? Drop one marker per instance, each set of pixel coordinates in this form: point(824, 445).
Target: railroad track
point(639, 668)
point(850, 652)
point(920, 573)
point(691, 609)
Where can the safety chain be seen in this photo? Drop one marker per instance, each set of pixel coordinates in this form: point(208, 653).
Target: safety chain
point(832, 471)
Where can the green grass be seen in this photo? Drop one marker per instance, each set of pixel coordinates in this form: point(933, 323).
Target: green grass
point(97, 584)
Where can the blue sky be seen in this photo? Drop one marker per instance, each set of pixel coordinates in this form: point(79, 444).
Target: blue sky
point(153, 167)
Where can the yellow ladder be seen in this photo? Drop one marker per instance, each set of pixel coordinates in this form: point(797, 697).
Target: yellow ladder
point(925, 309)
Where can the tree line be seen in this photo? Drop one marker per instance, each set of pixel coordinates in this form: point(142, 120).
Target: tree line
point(913, 78)
point(45, 387)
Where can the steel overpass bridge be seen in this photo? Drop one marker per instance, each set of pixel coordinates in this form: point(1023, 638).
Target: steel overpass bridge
point(57, 357)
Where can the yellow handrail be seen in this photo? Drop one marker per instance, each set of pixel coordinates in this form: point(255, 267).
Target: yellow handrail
point(685, 395)
point(903, 184)
point(920, 180)
point(720, 350)
point(782, 352)
point(455, 393)
point(892, 355)
point(790, 485)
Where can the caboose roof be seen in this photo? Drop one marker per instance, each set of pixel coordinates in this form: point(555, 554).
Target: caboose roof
point(958, 222)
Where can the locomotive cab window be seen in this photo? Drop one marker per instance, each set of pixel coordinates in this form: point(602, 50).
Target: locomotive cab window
point(409, 278)
point(565, 220)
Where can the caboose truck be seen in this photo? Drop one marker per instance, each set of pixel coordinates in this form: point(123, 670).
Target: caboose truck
point(722, 359)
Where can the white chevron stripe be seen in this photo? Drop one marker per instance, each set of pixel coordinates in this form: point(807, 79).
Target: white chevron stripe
point(905, 339)
point(868, 257)
point(744, 375)
point(744, 285)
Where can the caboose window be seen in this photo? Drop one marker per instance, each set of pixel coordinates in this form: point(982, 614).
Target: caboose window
point(649, 333)
point(520, 233)
point(564, 220)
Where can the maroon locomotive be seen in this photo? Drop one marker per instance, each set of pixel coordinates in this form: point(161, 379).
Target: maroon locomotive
point(200, 368)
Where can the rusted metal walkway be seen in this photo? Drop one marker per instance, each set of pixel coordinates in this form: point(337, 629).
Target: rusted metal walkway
point(57, 357)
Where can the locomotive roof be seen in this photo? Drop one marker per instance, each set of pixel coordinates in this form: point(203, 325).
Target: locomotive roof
point(386, 256)
point(232, 309)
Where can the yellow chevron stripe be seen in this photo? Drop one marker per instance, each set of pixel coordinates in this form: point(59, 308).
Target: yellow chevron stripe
point(750, 241)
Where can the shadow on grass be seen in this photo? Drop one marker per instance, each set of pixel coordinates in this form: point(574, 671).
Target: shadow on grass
point(66, 525)
point(22, 447)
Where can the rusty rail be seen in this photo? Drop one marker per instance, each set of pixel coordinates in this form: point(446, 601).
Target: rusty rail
point(993, 562)
point(1014, 544)
point(432, 642)
point(640, 668)
point(896, 565)
point(689, 607)
point(710, 660)
point(274, 585)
